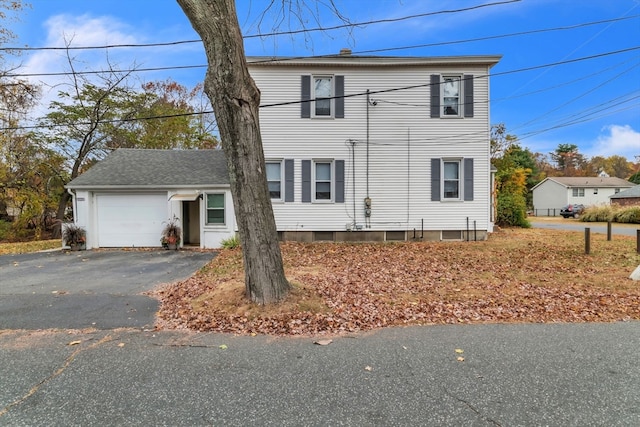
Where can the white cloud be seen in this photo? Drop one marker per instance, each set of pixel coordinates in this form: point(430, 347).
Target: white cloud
point(81, 30)
point(621, 140)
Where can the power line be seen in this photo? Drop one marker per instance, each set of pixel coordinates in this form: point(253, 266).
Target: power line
point(380, 50)
point(536, 67)
point(273, 34)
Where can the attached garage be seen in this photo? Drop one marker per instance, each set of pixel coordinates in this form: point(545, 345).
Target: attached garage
point(130, 220)
point(125, 200)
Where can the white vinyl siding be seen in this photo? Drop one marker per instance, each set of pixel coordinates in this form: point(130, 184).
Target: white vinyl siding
point(402, 142)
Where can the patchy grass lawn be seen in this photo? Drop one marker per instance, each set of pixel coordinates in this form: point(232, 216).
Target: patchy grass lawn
point(518, 275)
point(25, 247)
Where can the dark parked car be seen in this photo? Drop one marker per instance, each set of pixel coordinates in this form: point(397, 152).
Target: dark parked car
point(573, 211)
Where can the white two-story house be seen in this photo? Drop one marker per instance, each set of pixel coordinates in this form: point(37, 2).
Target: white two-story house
point(357, 148)
point(377, 148)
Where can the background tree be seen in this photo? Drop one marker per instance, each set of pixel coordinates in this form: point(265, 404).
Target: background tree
point(236, 99)
point(517, 174)
point(568, 160)
point(93, 117)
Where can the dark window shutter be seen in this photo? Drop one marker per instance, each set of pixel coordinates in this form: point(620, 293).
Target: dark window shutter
point(468, 180)
point(468, 95)
point(305, 105)
point(435, 96)
point(435, 180)
point(306, 181)
point(339, 97)
point(288, 180)
point(339, 181)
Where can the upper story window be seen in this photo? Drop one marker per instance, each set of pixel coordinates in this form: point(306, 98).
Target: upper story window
point(274, 179)
point(578, 192)
point(322, 96)
point(215, 209)
point(451, 96)
point(595, 191)
point(616, 191)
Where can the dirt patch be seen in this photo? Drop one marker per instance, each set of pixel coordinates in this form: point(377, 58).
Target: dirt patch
point(517, 275)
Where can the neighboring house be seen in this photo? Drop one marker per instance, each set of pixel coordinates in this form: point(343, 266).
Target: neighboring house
point(357, 148)
point(377, 148)
point(550, 195)
point(628, 197)
point(126, 199)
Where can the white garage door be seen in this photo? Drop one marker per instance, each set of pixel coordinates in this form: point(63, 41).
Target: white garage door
point(132, 220)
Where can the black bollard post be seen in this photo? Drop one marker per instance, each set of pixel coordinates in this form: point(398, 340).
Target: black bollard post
point(587, 241)
point(608, 231)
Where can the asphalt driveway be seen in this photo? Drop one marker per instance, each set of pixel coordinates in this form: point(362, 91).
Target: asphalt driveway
point(88, 289)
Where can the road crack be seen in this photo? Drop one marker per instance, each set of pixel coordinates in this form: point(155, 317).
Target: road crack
point(55, 374)
point(470, 406)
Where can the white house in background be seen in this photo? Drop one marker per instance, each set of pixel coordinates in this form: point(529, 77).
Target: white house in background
point(126, 199)
point(357, 148)
point(550, 195)
point(377, 148)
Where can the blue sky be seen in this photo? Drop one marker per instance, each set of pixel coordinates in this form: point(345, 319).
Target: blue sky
point(593, 103)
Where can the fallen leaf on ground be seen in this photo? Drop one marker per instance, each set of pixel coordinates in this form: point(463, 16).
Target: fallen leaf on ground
point(323, 342)
point(121, 344)
point(460, 359)
point(368, 368)
point(75, 342)
point(223, 347)
point(459, 350)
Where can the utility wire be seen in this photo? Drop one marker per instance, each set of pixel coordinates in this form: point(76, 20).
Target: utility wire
point(380, 50)
point(536, 67)
point(273, 34)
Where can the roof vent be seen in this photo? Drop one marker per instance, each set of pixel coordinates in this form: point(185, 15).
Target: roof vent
point(345, 51)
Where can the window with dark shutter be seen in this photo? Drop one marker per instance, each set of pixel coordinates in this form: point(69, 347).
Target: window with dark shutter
point(339, 97)
point(468, 180)
point(288, 180)
point(468, 95)
point(435, 95)
point(305, 105)
point(306, 181)
point(435, 180)
point(339, 181)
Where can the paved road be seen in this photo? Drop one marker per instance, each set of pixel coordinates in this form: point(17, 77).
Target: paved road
point(512, 375)
point(99, 289)
point(574, 225)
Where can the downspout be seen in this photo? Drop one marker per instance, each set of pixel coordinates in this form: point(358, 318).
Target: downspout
point(74, 203)
point(368, 103)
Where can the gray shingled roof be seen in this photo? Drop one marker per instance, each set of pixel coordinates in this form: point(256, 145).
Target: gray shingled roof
point(632, 192)
point(591, 181)
point(136, 168)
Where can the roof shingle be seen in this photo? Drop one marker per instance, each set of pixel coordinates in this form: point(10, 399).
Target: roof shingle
point(128, 167)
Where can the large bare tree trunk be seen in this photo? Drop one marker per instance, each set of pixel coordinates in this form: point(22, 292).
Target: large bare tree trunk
point(235, 100)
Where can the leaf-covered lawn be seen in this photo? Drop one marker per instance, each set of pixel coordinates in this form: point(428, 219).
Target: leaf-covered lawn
point(530, 275)
point(26, 247)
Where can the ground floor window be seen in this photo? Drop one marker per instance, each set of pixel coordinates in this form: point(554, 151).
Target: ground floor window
point(215, 208)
